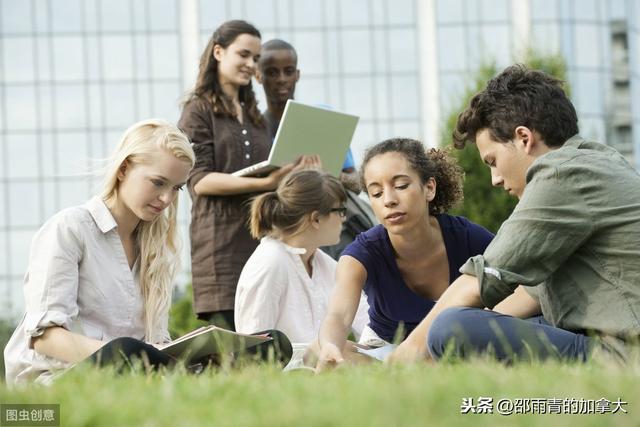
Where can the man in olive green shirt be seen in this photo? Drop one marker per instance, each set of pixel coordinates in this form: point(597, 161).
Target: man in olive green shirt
point(570, 249)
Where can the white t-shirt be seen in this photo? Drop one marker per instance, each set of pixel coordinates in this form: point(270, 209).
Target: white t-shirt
point(275, 292)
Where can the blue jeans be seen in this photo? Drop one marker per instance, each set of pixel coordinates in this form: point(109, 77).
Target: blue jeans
point(463, 331)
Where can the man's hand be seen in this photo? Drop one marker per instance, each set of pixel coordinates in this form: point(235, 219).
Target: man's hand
point(308, 162)
point(463, 292)
point(408, 352)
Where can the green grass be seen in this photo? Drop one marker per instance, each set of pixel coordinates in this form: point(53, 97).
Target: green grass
point(6, 329)
point(374, 395)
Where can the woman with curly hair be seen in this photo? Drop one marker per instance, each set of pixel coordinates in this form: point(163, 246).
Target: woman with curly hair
point(407, 261)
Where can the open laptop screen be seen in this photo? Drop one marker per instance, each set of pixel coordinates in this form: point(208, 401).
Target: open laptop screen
point(308, 130)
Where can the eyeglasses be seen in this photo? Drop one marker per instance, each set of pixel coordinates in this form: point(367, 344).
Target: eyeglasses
point(342, 211)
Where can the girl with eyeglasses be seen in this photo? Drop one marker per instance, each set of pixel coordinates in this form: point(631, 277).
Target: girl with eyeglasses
point(287, 282)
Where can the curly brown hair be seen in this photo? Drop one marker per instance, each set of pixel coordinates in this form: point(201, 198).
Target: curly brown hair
point(432, 163)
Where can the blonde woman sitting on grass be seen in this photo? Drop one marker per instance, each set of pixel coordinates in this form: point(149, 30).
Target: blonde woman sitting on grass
point(287, 282)
point(98, 285)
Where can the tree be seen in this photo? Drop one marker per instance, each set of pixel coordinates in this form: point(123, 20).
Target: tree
point(484, 204)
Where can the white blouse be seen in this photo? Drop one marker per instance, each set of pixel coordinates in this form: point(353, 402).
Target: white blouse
point(275, 292)
point(78, 278)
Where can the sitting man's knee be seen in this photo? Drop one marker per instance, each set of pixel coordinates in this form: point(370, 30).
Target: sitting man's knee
point(446, 327)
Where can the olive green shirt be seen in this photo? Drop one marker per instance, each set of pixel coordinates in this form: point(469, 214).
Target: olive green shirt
point(576, 232)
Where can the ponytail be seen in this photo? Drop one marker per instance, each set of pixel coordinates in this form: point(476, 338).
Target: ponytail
point(287, 210)
point(264, 210)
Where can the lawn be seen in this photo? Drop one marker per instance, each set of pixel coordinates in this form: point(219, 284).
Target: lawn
point(374, 395)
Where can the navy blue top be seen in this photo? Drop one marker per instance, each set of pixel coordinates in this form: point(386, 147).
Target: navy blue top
point(391, 301)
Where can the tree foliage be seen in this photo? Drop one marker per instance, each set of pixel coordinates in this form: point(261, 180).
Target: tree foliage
point(484, 204)
point(181, 316)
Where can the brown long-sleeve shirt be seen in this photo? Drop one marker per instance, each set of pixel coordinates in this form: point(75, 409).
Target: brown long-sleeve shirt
point(220, 239)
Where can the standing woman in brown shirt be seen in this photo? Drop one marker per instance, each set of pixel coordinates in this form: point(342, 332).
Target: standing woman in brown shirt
point(227, 133)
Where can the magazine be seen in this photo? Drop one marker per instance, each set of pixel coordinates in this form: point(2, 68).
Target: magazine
point(209, 341)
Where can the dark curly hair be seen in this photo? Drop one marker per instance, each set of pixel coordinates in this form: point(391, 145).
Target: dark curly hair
point(432, 163)
point(519, 96)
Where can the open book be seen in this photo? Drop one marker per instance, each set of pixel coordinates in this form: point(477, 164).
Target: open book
point(210, 341)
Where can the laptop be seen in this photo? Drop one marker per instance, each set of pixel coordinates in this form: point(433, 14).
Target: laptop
point(307, 130)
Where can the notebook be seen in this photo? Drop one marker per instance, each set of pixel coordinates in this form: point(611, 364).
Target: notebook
point(307, 130)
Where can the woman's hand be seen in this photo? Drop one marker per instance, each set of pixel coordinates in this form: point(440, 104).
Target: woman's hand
point(330, 357)
point(273, 179)
point(304, 162)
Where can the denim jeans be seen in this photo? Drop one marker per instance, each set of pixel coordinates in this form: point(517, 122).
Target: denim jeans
point(463, 331)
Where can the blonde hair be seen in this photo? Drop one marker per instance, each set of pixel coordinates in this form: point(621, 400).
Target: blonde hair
point(157, 240)
point(287, 209)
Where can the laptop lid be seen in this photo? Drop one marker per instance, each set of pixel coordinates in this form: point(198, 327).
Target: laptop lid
point(308, 130)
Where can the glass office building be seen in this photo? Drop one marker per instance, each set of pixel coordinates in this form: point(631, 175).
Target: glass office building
point(598, 39)
point(75, 73)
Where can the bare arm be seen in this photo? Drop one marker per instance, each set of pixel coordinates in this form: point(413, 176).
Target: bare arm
point(463, 292)
point(224, 184)
point(350, 278)
point(63, 345)
point(519, 304)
